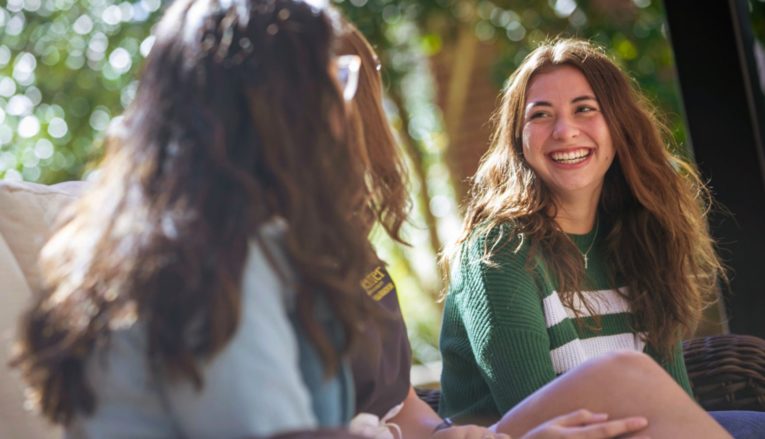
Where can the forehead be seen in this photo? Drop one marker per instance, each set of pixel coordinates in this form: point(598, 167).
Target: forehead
point(559, 82)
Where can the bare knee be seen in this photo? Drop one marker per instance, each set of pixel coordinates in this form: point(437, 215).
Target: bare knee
point(626, 359)
point(628, 364)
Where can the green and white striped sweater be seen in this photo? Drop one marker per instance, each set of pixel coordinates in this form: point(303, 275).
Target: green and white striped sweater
point(505, 332)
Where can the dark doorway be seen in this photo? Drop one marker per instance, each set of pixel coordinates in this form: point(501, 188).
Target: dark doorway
point(715, 53)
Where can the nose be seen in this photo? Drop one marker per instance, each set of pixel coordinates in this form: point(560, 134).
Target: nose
point(564, 128)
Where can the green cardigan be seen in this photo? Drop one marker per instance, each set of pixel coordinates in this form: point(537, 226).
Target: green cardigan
point(505, 332)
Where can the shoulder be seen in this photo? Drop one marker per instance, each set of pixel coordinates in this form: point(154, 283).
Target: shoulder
point(493, 261)
point(500, 247)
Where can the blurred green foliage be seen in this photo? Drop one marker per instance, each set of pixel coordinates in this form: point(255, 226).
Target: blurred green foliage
point(68, 66)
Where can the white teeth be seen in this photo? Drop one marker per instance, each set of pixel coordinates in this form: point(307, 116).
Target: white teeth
point(570, 157)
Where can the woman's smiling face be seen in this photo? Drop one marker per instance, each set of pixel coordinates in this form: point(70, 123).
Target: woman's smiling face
point(566, 140)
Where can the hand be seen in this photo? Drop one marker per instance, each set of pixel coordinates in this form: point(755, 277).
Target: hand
point(468, 432)
point(583, 424)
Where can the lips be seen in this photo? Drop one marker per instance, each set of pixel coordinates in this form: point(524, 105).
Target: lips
point(570, 156)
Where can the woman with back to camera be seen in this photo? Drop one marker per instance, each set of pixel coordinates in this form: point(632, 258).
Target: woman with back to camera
point(207, 282)
point(584, 236)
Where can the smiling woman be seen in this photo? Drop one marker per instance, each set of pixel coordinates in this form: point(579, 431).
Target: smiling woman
point(584, 236)
point(567, 143)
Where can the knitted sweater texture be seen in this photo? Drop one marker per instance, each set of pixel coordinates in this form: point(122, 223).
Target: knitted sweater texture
point(505, 332)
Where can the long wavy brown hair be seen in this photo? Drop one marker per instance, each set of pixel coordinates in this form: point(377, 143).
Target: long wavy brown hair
point(654, 202)
point(386, 174)
point(238, 120)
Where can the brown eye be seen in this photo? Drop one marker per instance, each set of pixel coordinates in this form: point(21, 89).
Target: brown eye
point(537, 115)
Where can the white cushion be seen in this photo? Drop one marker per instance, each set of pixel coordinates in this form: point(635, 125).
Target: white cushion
point(27, 211)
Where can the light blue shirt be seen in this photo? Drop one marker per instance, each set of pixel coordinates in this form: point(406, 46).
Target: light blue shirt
point(253, 387)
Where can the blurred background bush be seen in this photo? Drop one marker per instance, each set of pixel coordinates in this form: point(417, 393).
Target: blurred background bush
point(67, 67)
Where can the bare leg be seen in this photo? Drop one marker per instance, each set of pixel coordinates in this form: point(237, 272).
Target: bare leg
point(621, 384)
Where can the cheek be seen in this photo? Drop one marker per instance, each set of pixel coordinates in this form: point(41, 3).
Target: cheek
point(528, 157)
point(528, 142)
point(604, 133)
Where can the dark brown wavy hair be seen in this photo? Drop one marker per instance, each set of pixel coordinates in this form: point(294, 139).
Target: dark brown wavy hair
point(386, 174)
point(238, 121)
point(654, 202)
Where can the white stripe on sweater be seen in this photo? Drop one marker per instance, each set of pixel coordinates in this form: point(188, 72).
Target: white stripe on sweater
point(578, 351)
point(603, 302)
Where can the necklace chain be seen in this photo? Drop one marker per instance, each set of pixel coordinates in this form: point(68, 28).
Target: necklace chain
point(586, 254)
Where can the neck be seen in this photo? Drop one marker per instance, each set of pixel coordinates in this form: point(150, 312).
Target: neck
point(576, 213)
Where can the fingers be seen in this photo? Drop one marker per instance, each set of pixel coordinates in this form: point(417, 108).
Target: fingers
point(611, 429)
point(579, 417)
point(585, 424)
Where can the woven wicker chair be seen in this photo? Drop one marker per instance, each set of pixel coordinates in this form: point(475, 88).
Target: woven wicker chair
point(727, 372)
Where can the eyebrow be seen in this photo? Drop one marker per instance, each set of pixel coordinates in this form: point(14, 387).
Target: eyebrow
point(573, 101)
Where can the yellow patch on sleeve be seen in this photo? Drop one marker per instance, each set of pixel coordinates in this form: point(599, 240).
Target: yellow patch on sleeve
point(377, 283)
